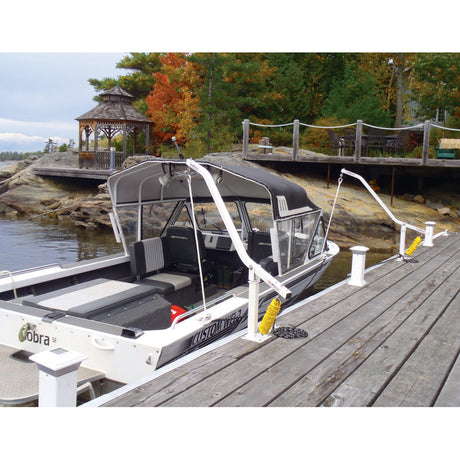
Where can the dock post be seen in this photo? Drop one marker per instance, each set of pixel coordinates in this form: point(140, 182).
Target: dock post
point(402, 240)
point(429, 228)
point(358, 140)
point(295, 140)
point(57, 377)
point(358, 264)
point(253, 305)
point(245, 138)
point(426, 141)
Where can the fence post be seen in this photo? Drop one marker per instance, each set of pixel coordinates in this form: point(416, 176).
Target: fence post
point(359, 133)
point(245, 139)
point(426, 141)
point(295, 140)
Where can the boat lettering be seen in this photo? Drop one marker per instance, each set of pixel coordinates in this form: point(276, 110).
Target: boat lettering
point(26, 333)
point(227, 324)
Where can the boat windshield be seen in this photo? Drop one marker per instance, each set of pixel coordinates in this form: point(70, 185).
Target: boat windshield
point(295, 237)
point(155, 217)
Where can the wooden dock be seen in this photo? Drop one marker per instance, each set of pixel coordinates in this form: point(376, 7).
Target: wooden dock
point(76, 173)
point(393, 342)
point(277, 157)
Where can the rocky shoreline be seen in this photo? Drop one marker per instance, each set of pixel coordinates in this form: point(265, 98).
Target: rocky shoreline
point(357, 219)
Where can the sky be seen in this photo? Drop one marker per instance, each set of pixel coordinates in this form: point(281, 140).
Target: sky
point(41, 94)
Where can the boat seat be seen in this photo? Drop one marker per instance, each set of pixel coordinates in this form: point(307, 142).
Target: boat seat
point(259, 246)
point(181, 249)
point(260, 250)
point(149, 256)
point(110, 301)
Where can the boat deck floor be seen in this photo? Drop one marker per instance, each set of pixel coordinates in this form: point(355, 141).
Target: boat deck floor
point(393, 342)
point(19, 379)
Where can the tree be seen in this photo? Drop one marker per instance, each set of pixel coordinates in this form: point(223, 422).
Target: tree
point(49, 146)
point(300, 83)
point(358, 96)
point(436, 83)
point(173, 103)
point(138, 83)
point(233, 88)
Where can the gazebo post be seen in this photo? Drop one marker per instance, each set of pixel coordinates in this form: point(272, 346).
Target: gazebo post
point(96, 127)
point(134, 136)
point(124, 138)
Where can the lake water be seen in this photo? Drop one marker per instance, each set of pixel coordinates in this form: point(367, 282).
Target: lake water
point(26, 243)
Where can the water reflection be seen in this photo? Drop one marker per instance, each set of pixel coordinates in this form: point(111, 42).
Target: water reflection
point(340, 267)
point(25, 243)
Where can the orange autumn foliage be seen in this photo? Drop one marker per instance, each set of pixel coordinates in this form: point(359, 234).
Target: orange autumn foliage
point(173, 104)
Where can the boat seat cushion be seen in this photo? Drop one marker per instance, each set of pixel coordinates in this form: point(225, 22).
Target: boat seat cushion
point(177, 281)
point(91, 297)
point(149, 256)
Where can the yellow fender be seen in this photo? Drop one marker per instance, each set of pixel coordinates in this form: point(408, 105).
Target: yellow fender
point(270, 316)
point(411, 249)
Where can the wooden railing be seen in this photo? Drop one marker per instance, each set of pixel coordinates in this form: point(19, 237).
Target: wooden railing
point(102, 160)
point(360, 145)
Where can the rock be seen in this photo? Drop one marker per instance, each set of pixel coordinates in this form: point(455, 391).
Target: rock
point(418, 199)
point(407, 197)
point(444, 211)
point(11, 169)
point(433, 204)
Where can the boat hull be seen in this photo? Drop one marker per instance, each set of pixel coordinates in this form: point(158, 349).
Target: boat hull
point(126, 359)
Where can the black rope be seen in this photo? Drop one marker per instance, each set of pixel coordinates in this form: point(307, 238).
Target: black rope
point(288, 332)
point(407, 259)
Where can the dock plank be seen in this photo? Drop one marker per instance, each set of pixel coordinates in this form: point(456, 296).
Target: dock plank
point(330, 349)
point(386, 360)
point(332, 322)
point(366, 346)
point(411, 387)
point(450, 394)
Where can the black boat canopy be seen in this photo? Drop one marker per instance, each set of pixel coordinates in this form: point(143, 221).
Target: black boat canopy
point(158, 179)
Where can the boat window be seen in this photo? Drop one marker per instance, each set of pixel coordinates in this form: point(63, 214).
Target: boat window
point(127, 216)
point(208, 217)
point(295, 236)
point(318, 240)
point(184, 220)
point(260, 216)
point(155, 216)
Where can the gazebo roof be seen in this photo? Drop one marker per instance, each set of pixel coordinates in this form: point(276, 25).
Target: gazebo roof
point(116, 105)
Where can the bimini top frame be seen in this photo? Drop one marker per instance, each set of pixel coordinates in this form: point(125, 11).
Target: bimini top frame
point(158, 179)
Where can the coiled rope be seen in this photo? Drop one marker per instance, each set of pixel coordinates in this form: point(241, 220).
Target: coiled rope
point(289, 332)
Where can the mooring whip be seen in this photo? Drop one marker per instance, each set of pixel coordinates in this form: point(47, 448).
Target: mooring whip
point(340, 180)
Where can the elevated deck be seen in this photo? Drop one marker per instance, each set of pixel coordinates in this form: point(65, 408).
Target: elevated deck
point(393, 342)
point(347, 160)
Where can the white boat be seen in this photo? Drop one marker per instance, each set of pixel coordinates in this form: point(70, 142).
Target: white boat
point(201, 242)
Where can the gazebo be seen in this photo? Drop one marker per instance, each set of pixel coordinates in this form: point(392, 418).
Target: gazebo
point(115, 114)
